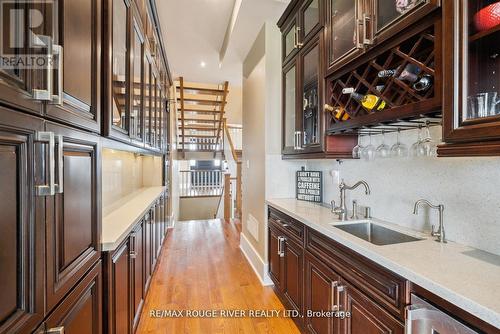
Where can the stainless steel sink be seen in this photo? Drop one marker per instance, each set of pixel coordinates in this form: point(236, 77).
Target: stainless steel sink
point(376, 234)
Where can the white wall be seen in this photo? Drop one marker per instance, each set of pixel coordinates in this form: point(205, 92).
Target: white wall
point(469, 188)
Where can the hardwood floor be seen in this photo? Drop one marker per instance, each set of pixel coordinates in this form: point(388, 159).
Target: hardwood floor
point(202, 268)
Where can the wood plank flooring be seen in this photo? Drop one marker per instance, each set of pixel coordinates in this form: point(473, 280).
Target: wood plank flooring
point(202, 268)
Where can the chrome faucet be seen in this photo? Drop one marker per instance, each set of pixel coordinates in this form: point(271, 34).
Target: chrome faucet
point(341, 210)
point(439, 234)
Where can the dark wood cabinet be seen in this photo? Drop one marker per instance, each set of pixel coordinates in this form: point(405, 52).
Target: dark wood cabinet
point(293, 273)
point(22, 256)
point(137, 260)
point(73, 219)
point(332, 296)
point(321, 288)
point(303, 93)
point(148, 262)
point(81, 311)
point(76, 32)
point(274, 257)
point(127, 274)
point(117, 296)
point(471, 110)
point(365, 315)
point(135, 75)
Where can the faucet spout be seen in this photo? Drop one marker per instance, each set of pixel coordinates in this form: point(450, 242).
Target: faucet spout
point(439, 234)
point(342, 209)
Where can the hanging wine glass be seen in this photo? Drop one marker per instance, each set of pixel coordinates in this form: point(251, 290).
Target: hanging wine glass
point(414, 149)
point(383, 150)
point(399, 150)
point(368, 152)
point(427, 146)
point(356, 151)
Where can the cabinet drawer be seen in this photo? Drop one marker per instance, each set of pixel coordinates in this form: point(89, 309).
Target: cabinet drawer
point(386, 288)
point(80, 311)
point(290, 227)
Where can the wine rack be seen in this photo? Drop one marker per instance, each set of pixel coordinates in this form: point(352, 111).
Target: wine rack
point(419, 48)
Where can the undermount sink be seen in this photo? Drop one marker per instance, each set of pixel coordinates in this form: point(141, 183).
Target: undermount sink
point(376, 234)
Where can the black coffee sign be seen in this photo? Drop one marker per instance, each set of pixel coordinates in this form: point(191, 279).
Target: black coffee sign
point(310, 186)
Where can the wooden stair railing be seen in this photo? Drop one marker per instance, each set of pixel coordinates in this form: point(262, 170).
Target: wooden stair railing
point(238, 161)
point(201, 109)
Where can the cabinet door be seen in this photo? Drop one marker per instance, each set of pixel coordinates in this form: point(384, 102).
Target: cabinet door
point(148, 98)
point(119, 317)
point(311, 86)
point(365, 315)
point(290, 39)
point(137, 111)
point(148, 255)
point(158, 237)
point(19, 83)
point(73, 215)
point(21, 222)
point(320, 295)
point(293, 273)
point(80, 312)
point(311, 20)
point(390, 17)
point(137, 257)
point(77, 76)
point(274, 257)
point(153, 238)
point(472, 113)
point(343, 37)
point(290, 120)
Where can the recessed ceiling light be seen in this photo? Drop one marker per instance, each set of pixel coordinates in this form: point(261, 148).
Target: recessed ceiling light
point(203, 64)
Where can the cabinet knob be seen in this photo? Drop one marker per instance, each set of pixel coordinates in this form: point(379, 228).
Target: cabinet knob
point(133, 255)
point(55, 330)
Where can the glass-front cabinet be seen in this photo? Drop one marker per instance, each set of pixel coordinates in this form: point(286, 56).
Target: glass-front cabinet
point(136, 113)
point(472, 112)
point(289, 98)
point(120, 63)
point(389, 16)
point(310, 84)
point(343, 35)
point(355, 26)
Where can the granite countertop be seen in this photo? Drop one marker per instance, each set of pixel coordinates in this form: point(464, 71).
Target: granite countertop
point(118, 223)
point(464, 276)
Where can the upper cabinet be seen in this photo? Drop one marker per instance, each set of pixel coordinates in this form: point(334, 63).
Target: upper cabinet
point(76, 34)
point(55, 70)
point(135, 75)
point(355, 26)
point(472, 112)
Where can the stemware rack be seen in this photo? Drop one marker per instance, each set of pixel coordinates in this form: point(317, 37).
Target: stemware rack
point(406, 108)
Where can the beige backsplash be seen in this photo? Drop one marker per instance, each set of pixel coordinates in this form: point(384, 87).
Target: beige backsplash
point(124, 173)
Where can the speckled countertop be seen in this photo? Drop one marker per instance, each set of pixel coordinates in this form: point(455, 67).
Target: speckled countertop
point(459, 274)
point(121, 220)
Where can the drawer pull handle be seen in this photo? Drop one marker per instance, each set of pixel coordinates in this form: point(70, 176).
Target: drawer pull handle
point(55, 330)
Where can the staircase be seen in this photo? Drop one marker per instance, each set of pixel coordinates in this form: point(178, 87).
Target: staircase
point(200, 115)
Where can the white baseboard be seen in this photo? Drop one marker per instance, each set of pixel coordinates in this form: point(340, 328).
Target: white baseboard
point(258, 265)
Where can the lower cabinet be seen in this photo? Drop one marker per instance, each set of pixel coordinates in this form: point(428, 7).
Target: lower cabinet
point(319, 287)
point(321, 296)
point(79, 312)
point(365, 315)
point(127, 274)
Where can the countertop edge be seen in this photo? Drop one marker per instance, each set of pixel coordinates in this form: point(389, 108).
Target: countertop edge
point(472, 307)
point(112, 245)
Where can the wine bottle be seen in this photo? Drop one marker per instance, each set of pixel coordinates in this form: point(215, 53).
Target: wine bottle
point(410, 73)
point(337, 113)
point(369, 101)
point(424, 83)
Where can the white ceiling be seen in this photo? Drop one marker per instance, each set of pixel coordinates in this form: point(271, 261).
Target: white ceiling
point(194, 32)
